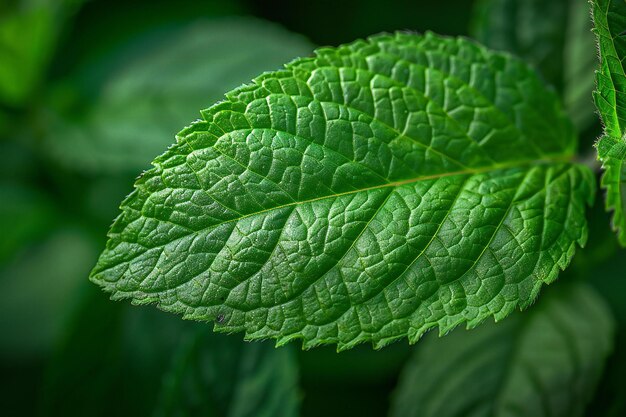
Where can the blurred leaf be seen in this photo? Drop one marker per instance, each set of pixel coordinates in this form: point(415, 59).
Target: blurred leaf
point(156, 365)
point(90, 36)
point(145, 99)
point(554, 36)
point(545, 362)
point(28, 33)
point(25, 214)
point(37, 291)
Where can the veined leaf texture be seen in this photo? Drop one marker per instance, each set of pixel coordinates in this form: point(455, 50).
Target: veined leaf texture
point(609, 18)
point(369, 193)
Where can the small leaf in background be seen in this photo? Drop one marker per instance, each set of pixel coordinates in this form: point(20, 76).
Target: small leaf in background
point(554, 36)
point(157, 365)
point(150, 93)
point(544, 362)
point(28, 33)
point(610, 21)
point(371, 193)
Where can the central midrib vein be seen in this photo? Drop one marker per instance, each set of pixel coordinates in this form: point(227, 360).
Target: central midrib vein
point(508, 165)
point(394, 184)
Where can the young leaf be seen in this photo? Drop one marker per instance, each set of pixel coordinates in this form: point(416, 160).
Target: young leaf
point(152, 85)
point(545, 362)
point(609, 17)
point(554, 36)
point(370, 193)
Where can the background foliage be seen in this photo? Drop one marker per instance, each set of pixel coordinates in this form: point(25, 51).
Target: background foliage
point(91, 91)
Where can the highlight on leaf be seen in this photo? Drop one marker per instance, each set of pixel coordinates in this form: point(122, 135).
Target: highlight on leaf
point(370, 193)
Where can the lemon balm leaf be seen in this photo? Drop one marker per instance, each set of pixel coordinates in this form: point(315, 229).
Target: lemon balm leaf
point(369, 193)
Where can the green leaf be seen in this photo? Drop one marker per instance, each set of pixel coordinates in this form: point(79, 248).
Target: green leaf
point(612, 153)
point(610, 96)
point(545, 362)
point(159, 82)
point(554, 36)
point(156, 365)
point(373, 192)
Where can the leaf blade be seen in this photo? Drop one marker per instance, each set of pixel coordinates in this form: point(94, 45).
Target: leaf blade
point(301, 195)
point(609, 21)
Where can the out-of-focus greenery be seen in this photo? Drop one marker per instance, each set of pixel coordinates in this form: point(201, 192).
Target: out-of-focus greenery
point(159, 366)
point(91, 91)
point(29, 30)
point(549, 357)
point(555, 37)
point(117, 121)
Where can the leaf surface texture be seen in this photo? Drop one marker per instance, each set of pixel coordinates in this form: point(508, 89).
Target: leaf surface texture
point(369, 193)
point(610, 22)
